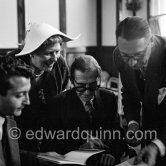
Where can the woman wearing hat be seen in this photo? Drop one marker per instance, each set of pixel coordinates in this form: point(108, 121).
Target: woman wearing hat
point(42, 50)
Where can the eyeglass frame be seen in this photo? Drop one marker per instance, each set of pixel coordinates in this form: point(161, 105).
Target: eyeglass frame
point(84, 88)
point(137, 58)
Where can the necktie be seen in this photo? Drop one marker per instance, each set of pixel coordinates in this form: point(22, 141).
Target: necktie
point(2, 160)
point(89, 108)
point(142, 74)
point(12, 147)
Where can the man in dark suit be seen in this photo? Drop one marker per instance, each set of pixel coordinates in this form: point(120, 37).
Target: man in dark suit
point(14, 88)
point(140, 58)
point(85, 112)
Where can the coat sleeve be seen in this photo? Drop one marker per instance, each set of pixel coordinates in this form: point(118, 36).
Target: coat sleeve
point(131, 106)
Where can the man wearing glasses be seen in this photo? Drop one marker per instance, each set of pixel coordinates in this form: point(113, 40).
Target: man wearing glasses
point(84, 111)
point(140, 58)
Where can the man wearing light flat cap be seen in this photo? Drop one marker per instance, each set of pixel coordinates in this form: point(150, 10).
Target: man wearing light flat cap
point(42, 50)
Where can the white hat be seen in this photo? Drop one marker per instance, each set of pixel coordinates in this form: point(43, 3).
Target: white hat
point(37, 34)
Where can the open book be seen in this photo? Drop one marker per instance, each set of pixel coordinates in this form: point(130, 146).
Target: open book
point(78, 157)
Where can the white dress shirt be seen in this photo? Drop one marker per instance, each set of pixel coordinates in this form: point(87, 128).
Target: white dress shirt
point(2, 120)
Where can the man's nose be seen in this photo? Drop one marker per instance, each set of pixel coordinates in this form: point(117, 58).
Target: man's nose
point(26, 99)
point(87, 91)
point(132, 62)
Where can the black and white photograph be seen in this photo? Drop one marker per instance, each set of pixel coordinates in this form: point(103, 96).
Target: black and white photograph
point(83, 82)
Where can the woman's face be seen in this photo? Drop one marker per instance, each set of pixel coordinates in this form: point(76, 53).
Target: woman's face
point(46, 59)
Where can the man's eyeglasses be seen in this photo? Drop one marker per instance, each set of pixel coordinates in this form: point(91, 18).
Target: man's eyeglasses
point(81, 87)
point(137, 56)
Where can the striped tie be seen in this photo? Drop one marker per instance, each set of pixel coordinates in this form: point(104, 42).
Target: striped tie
point(89, 108)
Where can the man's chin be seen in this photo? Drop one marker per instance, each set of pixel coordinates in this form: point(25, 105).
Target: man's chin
point(135, 67)
point(85, 99)
point(18, 112)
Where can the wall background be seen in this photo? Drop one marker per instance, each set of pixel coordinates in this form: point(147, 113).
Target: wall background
point(8, 26)
point(95, 23)
point(42, 11)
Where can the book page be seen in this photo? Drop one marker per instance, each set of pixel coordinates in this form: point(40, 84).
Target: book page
point(53, 157)
point(78, 157)
point(81, 156)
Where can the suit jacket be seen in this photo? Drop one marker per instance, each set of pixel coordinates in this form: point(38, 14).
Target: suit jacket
point(14, 156)
point(67, 114)
point(139, 92)
point(11, 147)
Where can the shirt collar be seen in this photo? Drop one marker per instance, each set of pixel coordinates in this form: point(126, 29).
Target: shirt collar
point(91, 101)
point(2, 120)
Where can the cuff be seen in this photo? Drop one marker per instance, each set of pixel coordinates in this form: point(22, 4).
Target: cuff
point(160, 146)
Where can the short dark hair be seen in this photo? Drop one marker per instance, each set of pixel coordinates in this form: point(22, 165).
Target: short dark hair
point(84, 63)
point(10, 67)
point(49, 42)
point(133, 27)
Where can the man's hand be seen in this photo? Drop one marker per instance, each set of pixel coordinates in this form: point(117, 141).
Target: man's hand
point(94, 143)
point(147, 155)
point(132, 136)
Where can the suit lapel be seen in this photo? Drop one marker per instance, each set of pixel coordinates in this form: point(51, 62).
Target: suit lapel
point(74, 108)
point(13, 143)
point(128, 74)
point(98, 101)
point(153, 80)
point(99, 112)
